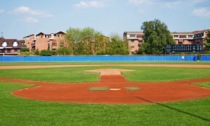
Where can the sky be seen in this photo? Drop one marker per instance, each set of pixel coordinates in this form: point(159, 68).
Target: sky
point(19, 18)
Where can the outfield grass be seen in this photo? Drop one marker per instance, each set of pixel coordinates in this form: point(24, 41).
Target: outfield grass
point(20, 112)
point(79, 74)
point(52, 74)
point(155, 74)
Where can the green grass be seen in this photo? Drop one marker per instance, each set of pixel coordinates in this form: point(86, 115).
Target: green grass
point(79, 74)
point(204, 84)
point(52, 74)
point(20, 112)
point(99, 89)
point(132, 88)
point(154, 74)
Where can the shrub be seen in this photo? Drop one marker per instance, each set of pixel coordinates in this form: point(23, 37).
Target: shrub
point(25, 53)
point(36, 52)
point(199, 57)
point(45, 53)
point(24, 49)
point(63, 51)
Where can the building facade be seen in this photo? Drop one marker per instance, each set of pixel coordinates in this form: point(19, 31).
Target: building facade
point(135, 39)
point(42, 41)
point(10, 46)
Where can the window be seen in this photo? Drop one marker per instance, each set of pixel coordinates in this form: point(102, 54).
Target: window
point(8, 51)
point(183, 36)
point(132, 52)
point(132, 35)
point(15, 44)
point(15, 50)
point(4, 44)
point(190, 36)
point(61, 44)
point(176, 36)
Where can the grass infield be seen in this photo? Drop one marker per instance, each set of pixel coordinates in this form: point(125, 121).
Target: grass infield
point(99, 89)
point(21, 112)
point(204, 84)
point(132, 88)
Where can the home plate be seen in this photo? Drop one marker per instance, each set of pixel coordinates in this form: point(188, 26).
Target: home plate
point(115, 89)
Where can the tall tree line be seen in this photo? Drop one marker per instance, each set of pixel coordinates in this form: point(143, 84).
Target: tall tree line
point(207, 49)
point(156, 37)
point(88, 41)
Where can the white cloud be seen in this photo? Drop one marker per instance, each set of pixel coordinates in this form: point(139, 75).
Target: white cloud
point(30, 20)
point(90, 4)
point(29, 11)
point(202, 12)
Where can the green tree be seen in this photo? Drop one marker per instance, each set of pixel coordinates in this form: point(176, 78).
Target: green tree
point(63, 51)
point(207, 48)
point(73, 36)
point(36, 52)
point(47, 53)
point(84, 41)
point(117, 46)
point(156, 37)
point(24, 49)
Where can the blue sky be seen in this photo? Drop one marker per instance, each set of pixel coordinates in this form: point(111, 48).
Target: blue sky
point(19, 18)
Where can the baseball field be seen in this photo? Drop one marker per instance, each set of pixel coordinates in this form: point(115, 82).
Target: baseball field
point(111, 94)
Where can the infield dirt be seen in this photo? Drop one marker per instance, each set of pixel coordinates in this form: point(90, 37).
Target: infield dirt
point(150, 92)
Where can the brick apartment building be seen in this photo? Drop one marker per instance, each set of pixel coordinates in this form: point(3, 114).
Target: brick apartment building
point(135, 39)
point(42, 41)
point(10, 46)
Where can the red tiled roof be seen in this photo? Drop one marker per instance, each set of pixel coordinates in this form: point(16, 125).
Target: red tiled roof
point(10, 42)
point(28, 36)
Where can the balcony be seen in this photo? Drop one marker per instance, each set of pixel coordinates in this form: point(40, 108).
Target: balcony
point(51, 38)
point(54, 46)
point(32, 44)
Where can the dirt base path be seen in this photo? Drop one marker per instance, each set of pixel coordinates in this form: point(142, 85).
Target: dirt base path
point(116, 90)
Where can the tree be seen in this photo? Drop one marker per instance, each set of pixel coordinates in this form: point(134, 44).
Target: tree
point(72, 37)
point(156, 37)
point(63, 51)
point(46, 53)
point(117, 46)
point(207, 49)
point(85, 41)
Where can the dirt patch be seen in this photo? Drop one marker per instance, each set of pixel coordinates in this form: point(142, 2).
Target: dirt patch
point(104, 72)
point(150, 92)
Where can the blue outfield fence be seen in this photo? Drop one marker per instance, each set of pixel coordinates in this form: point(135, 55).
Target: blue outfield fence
point(99, 58)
